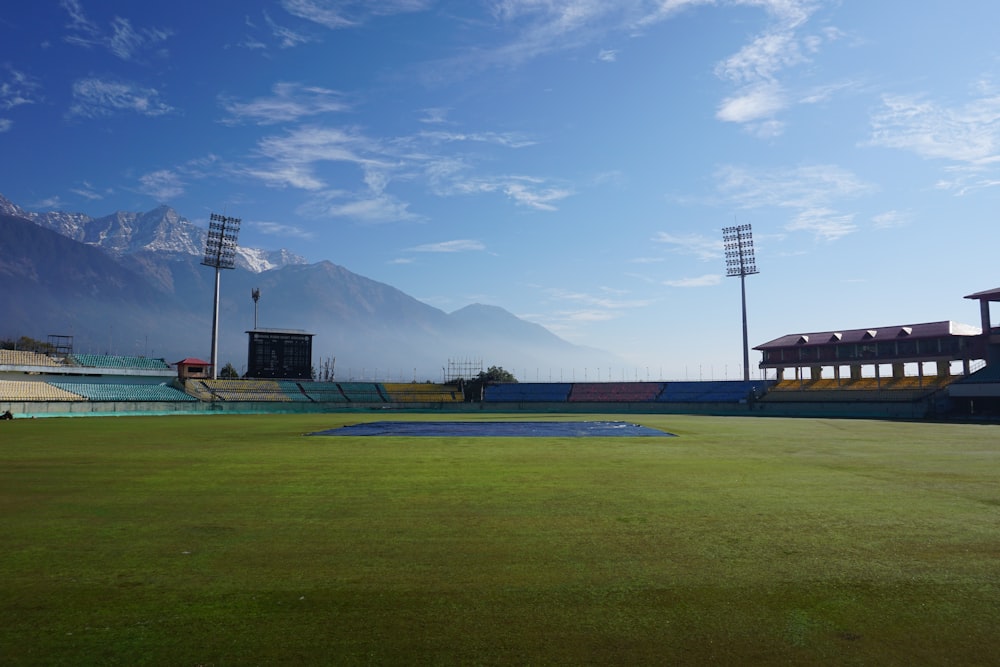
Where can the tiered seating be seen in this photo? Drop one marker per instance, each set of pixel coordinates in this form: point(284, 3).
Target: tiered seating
point(246, 390)
point(422, 393)
point(867, 384)
point(615, 392)
point(95, 391)
point(324, 392)
point(116, 361)
point(25, 358)
point(849, 395)
point(293, 390)
point(717, 391)
point(19, 390)
point(363, 392)
point(527, 392)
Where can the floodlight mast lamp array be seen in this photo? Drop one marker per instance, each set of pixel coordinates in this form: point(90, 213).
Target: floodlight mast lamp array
point(740, 262)
point(220, 253)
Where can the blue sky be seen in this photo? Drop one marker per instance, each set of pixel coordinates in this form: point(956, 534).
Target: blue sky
point(572, 161)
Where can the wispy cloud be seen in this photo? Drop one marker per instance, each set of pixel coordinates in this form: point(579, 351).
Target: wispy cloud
point(120, 37)
point(810, 191)
point(290, 102)
point(607, 55)
point(292, 159)
point(94, 98)
point(891, 219)
point(369, 208)
point(606, 300)
point(336, 14)
point(163, 185)
point(824, 223)
point(807, 186)
point(704, 248)
point(757, 67)
point(508, 139)
point(458, 245)
point(17, 88)
point(296, 159)
point(6, 124)
point(707, 280)
point(968, 134)
point(280, 229)
point(87, 192)
point(288, 38)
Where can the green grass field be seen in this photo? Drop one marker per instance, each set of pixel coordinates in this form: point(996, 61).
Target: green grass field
point(234, 540)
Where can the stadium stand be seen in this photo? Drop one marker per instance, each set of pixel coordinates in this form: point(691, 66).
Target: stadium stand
point(116, 361)
point(615, 392)
point(711, 391)
point(422, 393)
point(246, 390)
point(25, 358)
point(847, 396)
point(18, 390)
point(363, 392)
point(323, 392)
point(94, 391)
point(528, 392)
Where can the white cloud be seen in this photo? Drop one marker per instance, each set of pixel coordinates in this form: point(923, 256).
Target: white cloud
point(458, 245)
point(93, 98)
point(607, 55)
point(707, 280)
point(508, 139)
point(607, 300)
point(967, 134)
point(336, 14)
point(163, 185)
point(290, 102)
point(121, 39)
point(704, 248)
point(807, 186)
point(762, 59)
point(825, 224)
point(810, 191)
point(6, 124)
point(280, 229)
point(370, 209)
point(17, 89)
point(752, 103)
point(891, 219)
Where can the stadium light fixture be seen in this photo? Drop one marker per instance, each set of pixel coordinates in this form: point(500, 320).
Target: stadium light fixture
point(740, 262)
point(220, 253)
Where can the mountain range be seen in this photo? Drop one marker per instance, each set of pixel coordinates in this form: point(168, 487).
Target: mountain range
point(133, 284)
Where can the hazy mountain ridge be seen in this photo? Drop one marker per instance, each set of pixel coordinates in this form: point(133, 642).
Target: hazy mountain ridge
point(136, 287)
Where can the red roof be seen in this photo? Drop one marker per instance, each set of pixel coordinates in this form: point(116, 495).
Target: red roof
point(192, 361)
point(912, 331)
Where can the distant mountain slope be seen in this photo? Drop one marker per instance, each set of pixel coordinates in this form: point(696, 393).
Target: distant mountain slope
point(130, 284)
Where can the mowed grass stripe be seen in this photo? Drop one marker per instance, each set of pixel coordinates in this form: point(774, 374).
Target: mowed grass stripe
point(237, 539)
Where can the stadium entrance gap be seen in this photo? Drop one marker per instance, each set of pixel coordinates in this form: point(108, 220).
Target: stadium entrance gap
point(499, 429)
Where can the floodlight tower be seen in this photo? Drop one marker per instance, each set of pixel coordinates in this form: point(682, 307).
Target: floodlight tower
point(255, 295)
point(220, 253)
point(740, 262)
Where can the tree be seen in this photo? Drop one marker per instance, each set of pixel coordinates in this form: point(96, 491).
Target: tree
point(229, 372)
point(496, 374)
